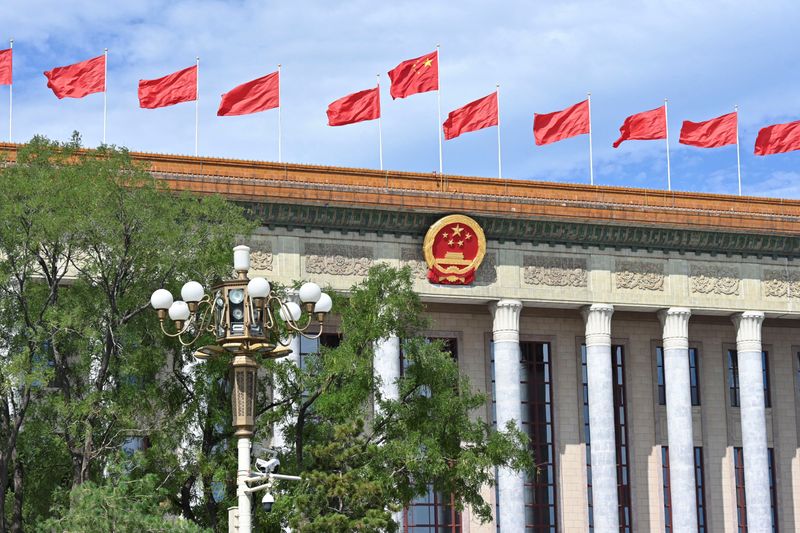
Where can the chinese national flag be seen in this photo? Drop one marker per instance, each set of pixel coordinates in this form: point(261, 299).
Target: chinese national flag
point(645, 126)
point(559, 125)
point(482, 113)
point(356, 107)
point(418, 75)
point(778, 138)
point(180, 86)
point(251, 97)
point(78, 80)
point(5, 66)
point(713, 133)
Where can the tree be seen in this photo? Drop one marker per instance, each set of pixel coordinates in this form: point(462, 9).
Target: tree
point(85, 236)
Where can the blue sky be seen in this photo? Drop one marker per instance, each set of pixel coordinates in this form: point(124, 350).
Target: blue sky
point(704, 56)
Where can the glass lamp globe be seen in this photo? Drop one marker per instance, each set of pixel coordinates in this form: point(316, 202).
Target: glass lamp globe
point(192, 292)
point(309, 292)
point(179, 310)
point(258, 288)
point(324, 304)
point(290, 311)
point(161, 299)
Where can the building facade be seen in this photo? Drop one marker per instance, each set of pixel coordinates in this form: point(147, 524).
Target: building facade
point(647, 341)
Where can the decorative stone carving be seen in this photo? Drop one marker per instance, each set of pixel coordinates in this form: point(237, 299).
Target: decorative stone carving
point(413, 258)
point(338, 259)
point(261, 258)
point(555, 271)
point(641, 275)
point(778, 283)
point(714, 279)
point(487, 272)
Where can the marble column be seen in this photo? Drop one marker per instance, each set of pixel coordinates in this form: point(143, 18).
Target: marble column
point(675, 322)
point(605, 502)
point(278, 437)
point(386, 367)
point(754, 426)
point(508, 398)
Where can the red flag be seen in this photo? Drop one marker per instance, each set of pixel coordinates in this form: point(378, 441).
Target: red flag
point(356, 107)
point(418, 75)
point(559, 125)
point(778, 138)
point(712, 133)
point(78, 80)
point(180, 86)
point(251, 97)
point(644, 126)
point(482, 113)
point(5, 66)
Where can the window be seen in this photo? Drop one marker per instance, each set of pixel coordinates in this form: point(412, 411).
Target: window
point(694, 379)
point(620, 434)
point(733, 378)
point(699, 487)
point(434, 512)
point(311, 347)
point(741, 503)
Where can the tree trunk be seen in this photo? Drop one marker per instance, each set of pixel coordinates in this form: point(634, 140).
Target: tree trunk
point(16, 519)
point(3, 490)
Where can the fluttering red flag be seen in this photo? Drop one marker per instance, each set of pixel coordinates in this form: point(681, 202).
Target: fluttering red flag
point(251, 97)
point(356, 107)
point(559, 125)
point(778, 138)
point(180, 86)
point(5, 66)
point(644, 126)
point(713, 133)
point(418, 75)
point(482, 113)
point(79, 79)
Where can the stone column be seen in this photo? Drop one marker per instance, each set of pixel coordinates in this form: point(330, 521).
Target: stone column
point(278, 438)
point(508, 398)
point(605, 502)
point(386, 367)
point(675, 322)
point(753, 413)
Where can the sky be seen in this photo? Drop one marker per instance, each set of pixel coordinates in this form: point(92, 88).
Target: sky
point(704, 56)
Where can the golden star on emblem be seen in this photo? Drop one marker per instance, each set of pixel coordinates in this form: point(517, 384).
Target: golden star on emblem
point(468, 236)
point(445, 235)
point(457, 229)
point(461, 243)
point(450, 242)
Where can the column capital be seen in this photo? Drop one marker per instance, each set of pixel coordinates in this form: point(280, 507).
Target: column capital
point(506, 320)
point(598, 323)
point(748, 330)
point(675, 323)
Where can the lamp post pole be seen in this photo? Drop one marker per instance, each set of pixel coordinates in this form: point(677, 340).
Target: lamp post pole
point(248, 320)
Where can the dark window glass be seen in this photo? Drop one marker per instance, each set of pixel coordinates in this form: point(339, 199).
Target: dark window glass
point(733, 378)
point(620, 434)
point(699, 488)
point(741, 502)
point(662, 392)
point(694, 377)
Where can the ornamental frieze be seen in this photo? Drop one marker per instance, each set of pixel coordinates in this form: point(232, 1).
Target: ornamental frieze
point(778, 283)
point(714, 279)
point(487, 272)
point(261, 258)
point(555, 271)
point(338, 259)
point(413, 258)
point(639, 275)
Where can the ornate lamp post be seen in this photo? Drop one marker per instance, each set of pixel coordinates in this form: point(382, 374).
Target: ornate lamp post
point(242, 315)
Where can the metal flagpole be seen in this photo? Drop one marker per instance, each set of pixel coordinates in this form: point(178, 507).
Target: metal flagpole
point(11, 91)
point(197, 107)
point(105, 92)
point(279, 112)
point(738, 160)
point(666, 132)
point(591, 165)
point(380, 133)
point(439, 106)
point(499, 158)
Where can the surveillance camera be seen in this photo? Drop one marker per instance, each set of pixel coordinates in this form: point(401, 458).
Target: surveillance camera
point(267, 501)
point(268, 466)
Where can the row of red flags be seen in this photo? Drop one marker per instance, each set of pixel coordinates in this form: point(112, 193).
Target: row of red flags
point(418, 75)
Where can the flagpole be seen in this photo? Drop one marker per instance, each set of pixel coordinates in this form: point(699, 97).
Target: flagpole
point(279, 112)
point(439, 107)
point(591, 165)
point(499, 159)
point(105, 92)
point(738, 160)
point(380, 133)
point(197, 106)
point(11, 91)
point(666, 131)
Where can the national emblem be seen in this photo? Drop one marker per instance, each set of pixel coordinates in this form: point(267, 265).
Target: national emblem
point(454, 248)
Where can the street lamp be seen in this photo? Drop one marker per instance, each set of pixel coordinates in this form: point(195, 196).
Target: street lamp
point(242, 314)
